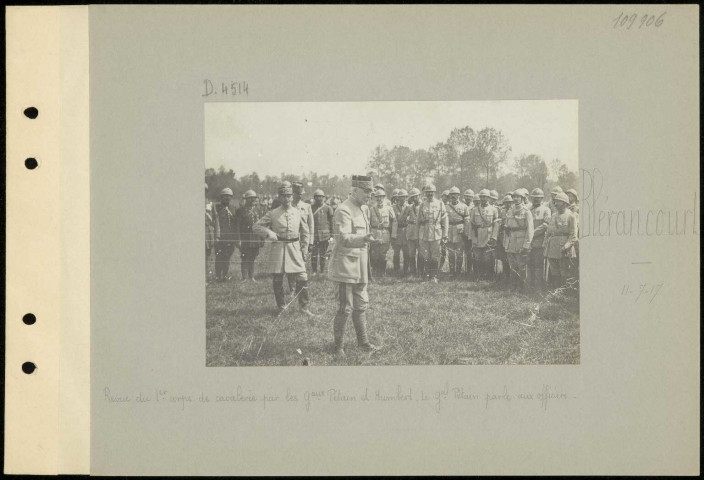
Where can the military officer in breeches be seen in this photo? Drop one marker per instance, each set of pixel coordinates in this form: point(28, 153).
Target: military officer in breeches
point(541, 220)
point(560, 238)
point(485, 230)
point(457, 213)
point(409, 217)
point(349, 264)
point(432, 231)
point(518, 234)
point(287, 235)
point(322, 216)
point(383, 228)
point(400, 246)
point(248, 243)
point(225, 235)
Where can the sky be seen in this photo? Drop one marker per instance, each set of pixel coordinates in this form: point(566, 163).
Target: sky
point(337, 138)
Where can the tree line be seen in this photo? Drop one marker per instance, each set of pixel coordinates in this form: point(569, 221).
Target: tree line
point(467, 159)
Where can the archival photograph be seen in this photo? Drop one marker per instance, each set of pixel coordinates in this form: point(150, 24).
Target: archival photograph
point(392, 233)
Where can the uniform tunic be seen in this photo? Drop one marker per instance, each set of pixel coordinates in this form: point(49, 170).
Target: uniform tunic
point(307, 215)
point(409, 217)
point(561, 234)
point(518, 229)
point(349, 262)
point(289, 235)
point(432, 221)
point(322, 220)
point(400, 226)
point(245, 218)
point(456, 217)
point(484, 222)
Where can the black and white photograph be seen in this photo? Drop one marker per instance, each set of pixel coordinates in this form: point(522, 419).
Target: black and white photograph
point(392, 233)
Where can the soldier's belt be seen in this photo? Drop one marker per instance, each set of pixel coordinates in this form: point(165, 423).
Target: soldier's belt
point(287, 240)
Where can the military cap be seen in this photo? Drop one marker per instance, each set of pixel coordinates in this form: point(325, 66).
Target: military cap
point(402, 193)
point(379, 192)
point(318, 193)
point(250, 194)
point(507, 198)
point(469, 192)
point(429, 188)
point(226, 191)
point(445, 193)
point(285, 189)
point(562, 197)
point(484, 193)
point(298, 187)
point(454, 190)
point(537, 193)
point(362, 181)
point(572, 191)
point(414, 192)
point(556, 190)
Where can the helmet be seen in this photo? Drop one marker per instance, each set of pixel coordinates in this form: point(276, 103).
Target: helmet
point(394, 193)
point(484, 193)
point(523, 192)
point(537, 193)
point(379, 185)
point(520, 192)
point(318, 193)
point(402, 193)
point(494, 194)
point(562, 197)
point(379, 192)
point(454, 190)
point(429, 188)
point(469, 193)
point(250, 194)
point(414, 192)
point(445, 193)
point(556, 190)
point(226, 191)
point(507, 198)
point(572, 191)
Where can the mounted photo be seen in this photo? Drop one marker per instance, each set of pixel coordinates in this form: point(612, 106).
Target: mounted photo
point(392, 233)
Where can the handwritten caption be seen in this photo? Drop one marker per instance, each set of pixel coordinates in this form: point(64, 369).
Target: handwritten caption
point(626, 21)
point(228, 88)
point(542, 397)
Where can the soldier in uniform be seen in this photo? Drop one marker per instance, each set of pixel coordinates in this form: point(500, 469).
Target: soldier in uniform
point(383, 227)
point(553, 193)
point(574, 208)
point(518, 236)
point(209, 230)
point(443, 247)
point(484, 222)
point(493, 198)
point(457, 213)
point(469, 201)
point(307, 214)
point(287, 235)
point(401, 243)
point(248, 243)
point(541, 220)
point(432, 231)
point(506, 204)
point(349, 264)
point(409, 218)
point(560, 238)
point(225, 235)
point(322, 216)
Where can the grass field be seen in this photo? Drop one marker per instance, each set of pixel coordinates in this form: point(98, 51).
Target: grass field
point(415, 323)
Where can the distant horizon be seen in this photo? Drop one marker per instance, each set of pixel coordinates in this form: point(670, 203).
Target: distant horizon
point(271, 138)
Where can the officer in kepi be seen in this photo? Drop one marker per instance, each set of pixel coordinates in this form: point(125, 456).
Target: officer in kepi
point(349, 264)
point(288, 236)
point(225, 235)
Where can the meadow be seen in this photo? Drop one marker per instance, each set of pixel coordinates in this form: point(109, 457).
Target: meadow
point(453, 322)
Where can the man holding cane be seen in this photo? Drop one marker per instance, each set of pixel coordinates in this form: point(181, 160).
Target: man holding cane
point(350, 263)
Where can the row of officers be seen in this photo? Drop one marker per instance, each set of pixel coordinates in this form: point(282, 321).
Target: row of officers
point(524, 239)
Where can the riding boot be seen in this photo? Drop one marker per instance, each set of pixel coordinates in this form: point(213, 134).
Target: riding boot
point(359, 318)
point(279, 290)
point(339, 332)
point(322, 264)
point(244, 267)
point(302, 292)
point(314, 264)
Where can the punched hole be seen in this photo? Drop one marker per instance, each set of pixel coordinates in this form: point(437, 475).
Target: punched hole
point(29, 319)
point(31, 163)
point(31, 112)
point(28, 368)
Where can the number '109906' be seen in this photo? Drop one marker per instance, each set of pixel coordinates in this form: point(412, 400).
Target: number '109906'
point(627, 21)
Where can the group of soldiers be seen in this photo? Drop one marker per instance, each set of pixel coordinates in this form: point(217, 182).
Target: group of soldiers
point(534, 242)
